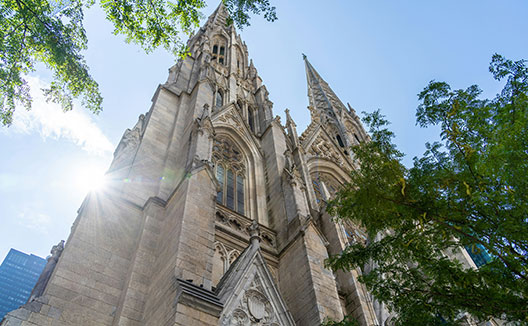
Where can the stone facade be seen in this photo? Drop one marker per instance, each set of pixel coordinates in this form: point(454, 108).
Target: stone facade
point(215, 210)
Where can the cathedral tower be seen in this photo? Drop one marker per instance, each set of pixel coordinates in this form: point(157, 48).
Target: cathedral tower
point(215, 212)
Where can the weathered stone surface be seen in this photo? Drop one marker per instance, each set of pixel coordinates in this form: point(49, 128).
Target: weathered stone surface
point(207, 174)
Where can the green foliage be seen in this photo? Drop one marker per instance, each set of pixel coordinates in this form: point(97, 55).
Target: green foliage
point(51, 32)
point(347, 321)
point(469, 189)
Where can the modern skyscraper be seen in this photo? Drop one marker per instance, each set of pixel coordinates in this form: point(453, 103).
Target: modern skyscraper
point(18, 274)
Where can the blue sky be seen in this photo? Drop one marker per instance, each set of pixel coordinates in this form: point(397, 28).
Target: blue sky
point(374, 54)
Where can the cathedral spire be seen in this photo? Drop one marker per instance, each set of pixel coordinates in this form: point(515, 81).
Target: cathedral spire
point(327, 109)
point(322, 98)
point(218, 17)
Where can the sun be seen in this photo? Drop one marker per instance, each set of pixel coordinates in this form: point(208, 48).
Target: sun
point(90, 179)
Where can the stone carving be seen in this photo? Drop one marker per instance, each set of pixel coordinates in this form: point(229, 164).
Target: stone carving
point(242, 224)
point(225, 151)
point(256, 303)
point(230, 118)
point(129, 144)
point(227, 255)
point(239, 317)
point(291, 170)
point(43, 280)
point(324, 149)
point(253, 308)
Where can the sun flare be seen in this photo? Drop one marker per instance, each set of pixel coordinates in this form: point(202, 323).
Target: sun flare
point(91, 179)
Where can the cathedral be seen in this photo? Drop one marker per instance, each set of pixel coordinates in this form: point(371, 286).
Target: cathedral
point(215, 209)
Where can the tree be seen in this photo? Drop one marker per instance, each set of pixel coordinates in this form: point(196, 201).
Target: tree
point(469, 190)
point(51, 32)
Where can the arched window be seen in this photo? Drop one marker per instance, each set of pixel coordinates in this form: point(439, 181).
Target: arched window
point(230, 193)
point(219, 99)
point(219, 50)
point(231, 174)
point(240, 194)
point(340, 141)
point(251, 121)
point(221, 55)
point(215, 52)
point(324, 185)
point(220, 178)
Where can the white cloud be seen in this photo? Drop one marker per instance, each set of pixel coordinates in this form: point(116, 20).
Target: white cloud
point(34, 220)
point(50, 121)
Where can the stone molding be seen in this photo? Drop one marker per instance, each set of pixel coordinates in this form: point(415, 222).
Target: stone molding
point(197, 297)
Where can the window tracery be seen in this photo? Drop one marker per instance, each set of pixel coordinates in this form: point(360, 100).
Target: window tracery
point(231, 174)
point(325, 186)
point(219, 50)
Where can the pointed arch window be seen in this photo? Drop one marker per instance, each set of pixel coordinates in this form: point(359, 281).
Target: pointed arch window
point(230, 190)
point(251, 121)
point(220, 178)
point(231, 174)
point(340, 141)
point(219, 50)
point(221, 56)
point(215, 52)
point(240, 194)
point(219, 101)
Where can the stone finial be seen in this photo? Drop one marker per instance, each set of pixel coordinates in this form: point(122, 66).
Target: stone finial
point(254, 232)
point(205, 112)
point(289, 120)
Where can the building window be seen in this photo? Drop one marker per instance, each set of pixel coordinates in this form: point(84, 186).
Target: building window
point(220, 178)
point(219, 52)
point(219, 99)
point(240, 194)
point(230, 193)
point(221, 56)
point(215, 52)
point(231, 174)
point(340, 141)
point(251, 119)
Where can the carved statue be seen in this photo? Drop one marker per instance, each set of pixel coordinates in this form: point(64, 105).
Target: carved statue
point(42, 282)
point(129, 143)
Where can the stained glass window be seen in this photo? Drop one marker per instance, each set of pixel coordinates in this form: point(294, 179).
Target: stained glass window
point(230, 191)
point(240, 194)
point(220, 178)
point(231, 174)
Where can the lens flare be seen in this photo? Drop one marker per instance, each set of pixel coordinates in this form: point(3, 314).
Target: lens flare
point(90, 179)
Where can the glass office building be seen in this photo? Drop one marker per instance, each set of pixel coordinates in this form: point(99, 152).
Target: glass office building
point(18, 274)
point(479, 255)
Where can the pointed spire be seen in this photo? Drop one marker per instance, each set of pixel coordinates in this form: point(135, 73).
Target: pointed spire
point(289, 120)
point(322, 97)
point(292, 129)
point(218, 17)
